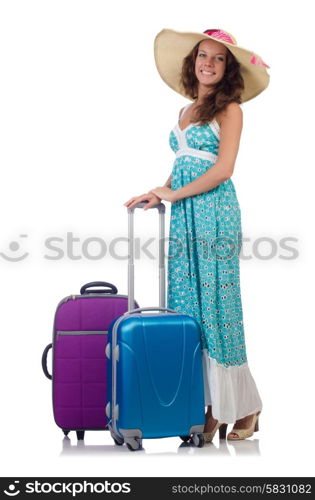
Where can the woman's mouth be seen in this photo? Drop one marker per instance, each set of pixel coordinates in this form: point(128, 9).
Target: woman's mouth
point(207, 73)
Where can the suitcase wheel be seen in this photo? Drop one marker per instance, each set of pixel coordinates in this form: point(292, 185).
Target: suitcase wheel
point(65, 432)
point(134, 444)
point(119, 442)
point(80, 435)
point(198, 440)
point(118, 439)
point(185, 438)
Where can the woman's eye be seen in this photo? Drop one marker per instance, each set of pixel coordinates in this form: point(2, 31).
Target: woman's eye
point(219, 58)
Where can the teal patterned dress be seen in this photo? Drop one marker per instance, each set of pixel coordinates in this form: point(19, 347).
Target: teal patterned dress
point(203, 272)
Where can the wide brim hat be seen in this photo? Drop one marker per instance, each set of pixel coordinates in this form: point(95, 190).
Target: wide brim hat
point(171, 47)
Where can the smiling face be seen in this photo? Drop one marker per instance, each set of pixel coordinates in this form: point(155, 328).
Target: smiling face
point(210, 64)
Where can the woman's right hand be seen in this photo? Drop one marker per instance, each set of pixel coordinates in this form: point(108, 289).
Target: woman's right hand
point(150, 197)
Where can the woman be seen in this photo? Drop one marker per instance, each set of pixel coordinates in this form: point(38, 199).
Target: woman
point(205, 230)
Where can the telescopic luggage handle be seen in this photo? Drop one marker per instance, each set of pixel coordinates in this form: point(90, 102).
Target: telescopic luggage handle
point(131, 279)
point(112, 289)
point(44, 361)
point(141, 309)
point(142, 204)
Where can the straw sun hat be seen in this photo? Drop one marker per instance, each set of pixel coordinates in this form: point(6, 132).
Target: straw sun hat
point(171, 47)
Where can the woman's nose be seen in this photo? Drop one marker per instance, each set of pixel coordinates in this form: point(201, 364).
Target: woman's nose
point(210, 61)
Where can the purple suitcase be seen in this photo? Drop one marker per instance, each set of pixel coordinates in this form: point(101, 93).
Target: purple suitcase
point(79, 365)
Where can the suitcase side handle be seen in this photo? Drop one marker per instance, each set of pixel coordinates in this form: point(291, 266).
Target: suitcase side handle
point(108, 288)
point(44, 361)
point(141, 309)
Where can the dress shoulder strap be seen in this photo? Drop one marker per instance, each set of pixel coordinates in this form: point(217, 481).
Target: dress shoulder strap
point(183, 110)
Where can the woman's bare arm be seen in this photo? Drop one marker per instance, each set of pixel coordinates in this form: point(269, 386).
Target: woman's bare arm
point(168, 183)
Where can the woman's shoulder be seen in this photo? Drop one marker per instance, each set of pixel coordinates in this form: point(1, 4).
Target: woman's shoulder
point(233, 111)
point(182, 111)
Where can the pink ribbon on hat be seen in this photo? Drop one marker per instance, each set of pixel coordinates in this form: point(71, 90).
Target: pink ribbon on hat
point(225, 37)
point(220, 35)
point(257, 60)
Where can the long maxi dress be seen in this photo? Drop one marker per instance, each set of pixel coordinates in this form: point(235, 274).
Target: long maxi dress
point(205, 240)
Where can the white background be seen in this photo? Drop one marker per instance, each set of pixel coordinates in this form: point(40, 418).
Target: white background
point(85, 120)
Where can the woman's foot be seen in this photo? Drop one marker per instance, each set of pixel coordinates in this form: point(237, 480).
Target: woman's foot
point(244, 427)
point(211, 427)
point(210, 423)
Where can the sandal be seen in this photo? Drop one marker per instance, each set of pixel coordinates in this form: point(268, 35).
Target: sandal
point(245, 433)
point(208, 436)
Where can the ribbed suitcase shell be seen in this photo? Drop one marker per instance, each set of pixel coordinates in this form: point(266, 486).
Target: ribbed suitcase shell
point(79, 363)
point(155, 376)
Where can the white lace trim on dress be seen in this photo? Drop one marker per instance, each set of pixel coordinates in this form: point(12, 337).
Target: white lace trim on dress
point(230, 391)
point(205, 155)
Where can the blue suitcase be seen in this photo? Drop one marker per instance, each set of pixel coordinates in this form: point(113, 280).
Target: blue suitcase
point(155, 368)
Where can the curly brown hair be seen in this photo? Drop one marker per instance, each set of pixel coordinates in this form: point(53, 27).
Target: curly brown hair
point(228, 89)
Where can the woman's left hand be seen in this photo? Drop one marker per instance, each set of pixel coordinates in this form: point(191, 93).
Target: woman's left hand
point(165, 193)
